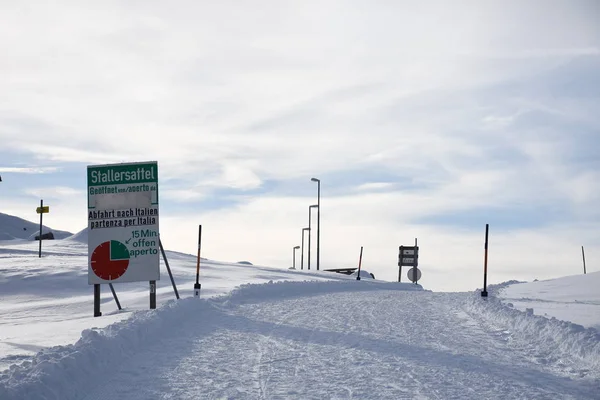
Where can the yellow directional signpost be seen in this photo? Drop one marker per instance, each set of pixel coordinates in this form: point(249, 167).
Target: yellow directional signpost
point(41, 210)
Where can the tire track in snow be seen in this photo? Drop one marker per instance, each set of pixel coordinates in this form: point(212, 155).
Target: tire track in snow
point(263, 349)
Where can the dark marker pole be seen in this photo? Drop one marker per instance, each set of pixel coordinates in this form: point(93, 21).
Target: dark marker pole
point(484, 292)
point(41, 214)
point(583, 255)
point(197, 285)
point(359, 264)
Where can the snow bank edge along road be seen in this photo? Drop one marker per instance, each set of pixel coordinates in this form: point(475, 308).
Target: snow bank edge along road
point(552, 335)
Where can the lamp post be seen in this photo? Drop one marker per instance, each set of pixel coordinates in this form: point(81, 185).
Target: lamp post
point(309, 230)
point(302, 253)
point(318, 220)
point(294, 257)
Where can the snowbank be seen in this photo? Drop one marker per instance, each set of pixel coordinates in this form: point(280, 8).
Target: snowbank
point(553, 338)
point(250, 293)
point(67, 372)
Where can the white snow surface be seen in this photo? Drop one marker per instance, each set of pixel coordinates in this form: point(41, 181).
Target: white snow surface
point(573, 298)
point(268, 333)
point(12, 227)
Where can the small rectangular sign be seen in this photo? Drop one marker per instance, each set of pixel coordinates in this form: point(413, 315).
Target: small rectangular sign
point(43, 210)
point(408, 256)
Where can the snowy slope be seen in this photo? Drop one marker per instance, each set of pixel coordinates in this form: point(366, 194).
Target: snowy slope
point(12, 227)
point(573, 298)
point(81, 236)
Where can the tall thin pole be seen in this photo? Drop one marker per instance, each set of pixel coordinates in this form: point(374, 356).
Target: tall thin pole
point(41, 214)
point(359, 264)
point(294, 257)
point(318, 224)
point(197, 285)
point(484, 292)
point(583, 255)
point(309, 229)
point(302, 254)
point(309, 218)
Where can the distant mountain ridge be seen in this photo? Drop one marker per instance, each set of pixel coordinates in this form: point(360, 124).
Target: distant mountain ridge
point(12, 227)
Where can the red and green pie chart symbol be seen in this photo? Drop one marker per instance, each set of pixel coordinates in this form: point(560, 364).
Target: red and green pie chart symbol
point(110, 260)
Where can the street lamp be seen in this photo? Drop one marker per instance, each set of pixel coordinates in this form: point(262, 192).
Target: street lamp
point(309, 219)
point(318, 220)
point(294, 257)
point(302, 254)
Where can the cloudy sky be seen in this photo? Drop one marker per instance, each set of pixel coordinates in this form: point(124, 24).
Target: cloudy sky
point(423, 119)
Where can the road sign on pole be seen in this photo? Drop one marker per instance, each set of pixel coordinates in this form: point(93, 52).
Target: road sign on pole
point(123, 238)
point(414, 274)
point(408, 256)
point(41, 210)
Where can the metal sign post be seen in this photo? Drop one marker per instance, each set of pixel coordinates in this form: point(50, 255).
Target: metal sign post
point(408, 256)
point(97, 312)
point(152, 295)
point(41, 210)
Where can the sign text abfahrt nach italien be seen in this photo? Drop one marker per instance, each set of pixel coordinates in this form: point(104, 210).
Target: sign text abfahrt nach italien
point(123, 223)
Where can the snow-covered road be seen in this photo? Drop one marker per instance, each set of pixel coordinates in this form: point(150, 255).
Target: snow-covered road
point(376, 344)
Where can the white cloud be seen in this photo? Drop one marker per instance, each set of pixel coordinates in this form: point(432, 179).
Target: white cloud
point(374, 186)
point(55, 192)
point(29, 170)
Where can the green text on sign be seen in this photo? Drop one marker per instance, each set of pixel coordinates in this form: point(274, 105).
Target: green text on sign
point(122, 174)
